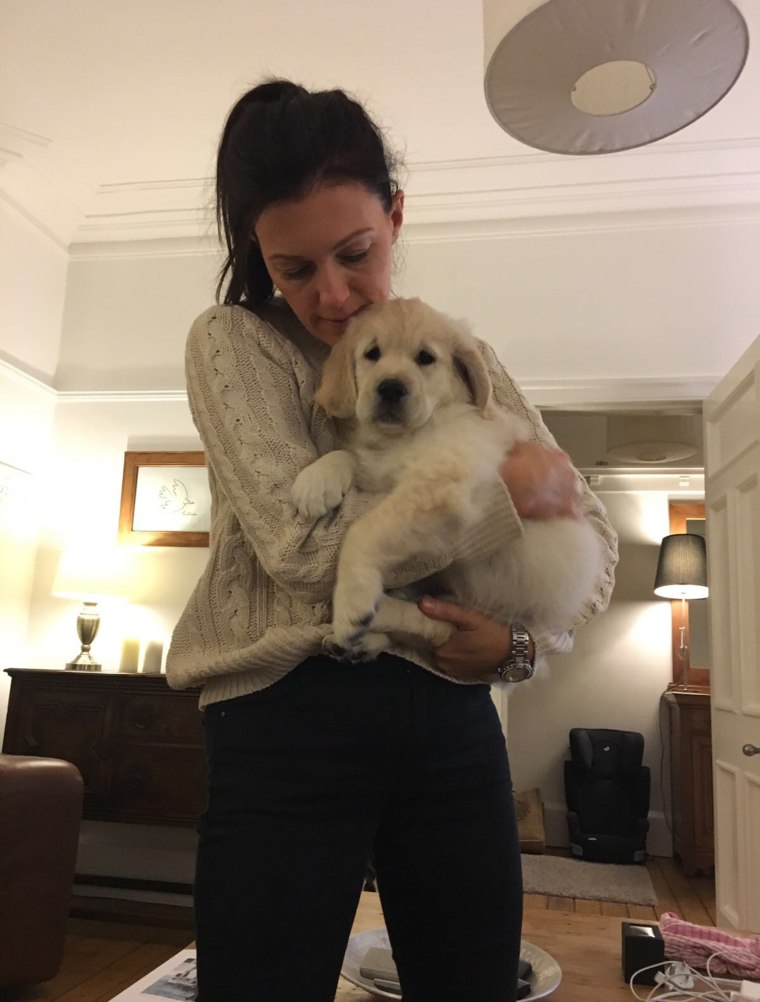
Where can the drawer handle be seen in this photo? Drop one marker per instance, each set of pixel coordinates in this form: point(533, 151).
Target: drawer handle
point(750, 750)
point(136, 781)
point(143, 723)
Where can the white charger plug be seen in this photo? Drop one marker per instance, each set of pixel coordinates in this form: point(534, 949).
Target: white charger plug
point(749, 992)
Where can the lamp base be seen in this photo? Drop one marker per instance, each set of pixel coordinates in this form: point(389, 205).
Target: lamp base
point(84, 661)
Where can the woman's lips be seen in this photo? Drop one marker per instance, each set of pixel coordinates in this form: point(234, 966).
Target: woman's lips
point(338, 320)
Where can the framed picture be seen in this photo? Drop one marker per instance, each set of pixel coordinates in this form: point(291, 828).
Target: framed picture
point(165, 499)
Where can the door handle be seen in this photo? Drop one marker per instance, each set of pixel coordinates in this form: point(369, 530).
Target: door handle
point(750, 750)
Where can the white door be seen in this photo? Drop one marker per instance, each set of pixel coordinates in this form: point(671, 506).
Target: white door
point(732, 500)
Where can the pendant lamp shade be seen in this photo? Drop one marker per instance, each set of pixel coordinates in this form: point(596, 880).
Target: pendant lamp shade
point(682, 567)
point(598, 76)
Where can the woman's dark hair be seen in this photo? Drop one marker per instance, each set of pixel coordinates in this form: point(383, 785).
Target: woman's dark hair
point(279, 142)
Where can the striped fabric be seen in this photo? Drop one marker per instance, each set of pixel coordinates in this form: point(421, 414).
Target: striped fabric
point(695, 944)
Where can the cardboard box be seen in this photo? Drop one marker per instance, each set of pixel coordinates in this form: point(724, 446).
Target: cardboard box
point(530, 820)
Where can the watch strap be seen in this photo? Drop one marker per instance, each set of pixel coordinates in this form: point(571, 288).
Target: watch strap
point(518, 667)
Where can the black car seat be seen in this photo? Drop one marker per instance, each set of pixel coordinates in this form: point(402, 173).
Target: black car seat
point(607, 791)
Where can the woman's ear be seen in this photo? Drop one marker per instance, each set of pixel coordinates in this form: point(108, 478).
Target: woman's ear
point(397, 214)
point(337, 390)
point(471, 367)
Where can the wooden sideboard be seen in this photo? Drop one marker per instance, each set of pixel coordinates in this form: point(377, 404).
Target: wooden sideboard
point(137, 743)
point(691, 778)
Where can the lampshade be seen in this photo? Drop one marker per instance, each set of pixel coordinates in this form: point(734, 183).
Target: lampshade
point(92, 572)
point(682, 567)
point(597, 76)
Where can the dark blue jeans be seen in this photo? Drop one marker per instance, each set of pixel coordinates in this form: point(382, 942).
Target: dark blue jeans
point(311, 776)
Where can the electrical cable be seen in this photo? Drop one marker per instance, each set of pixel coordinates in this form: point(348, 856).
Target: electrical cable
point(678, 982)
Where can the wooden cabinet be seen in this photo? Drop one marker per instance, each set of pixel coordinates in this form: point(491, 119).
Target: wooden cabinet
point(691, 778)
point(137, 743)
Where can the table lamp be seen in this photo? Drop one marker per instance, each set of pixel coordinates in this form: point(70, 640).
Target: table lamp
point(89, 574)
point(682, 574)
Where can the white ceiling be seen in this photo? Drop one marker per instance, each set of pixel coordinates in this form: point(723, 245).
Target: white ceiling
point(110, 112)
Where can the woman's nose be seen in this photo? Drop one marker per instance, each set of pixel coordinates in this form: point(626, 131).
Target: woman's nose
point(332, 286)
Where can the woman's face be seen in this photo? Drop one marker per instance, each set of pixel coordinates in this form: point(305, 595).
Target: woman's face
point(330, 253)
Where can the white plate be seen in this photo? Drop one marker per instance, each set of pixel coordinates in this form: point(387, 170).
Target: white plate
point(544, 980)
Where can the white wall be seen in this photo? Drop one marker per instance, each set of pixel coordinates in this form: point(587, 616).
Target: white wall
point(127, 317)
point(32, 289)
point(635, 301)
point(84, 477)
point(26, 417)
point(614, 677)
point(32, 285)
point(620, 301)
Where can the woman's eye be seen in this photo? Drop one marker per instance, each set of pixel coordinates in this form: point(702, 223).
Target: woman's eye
point(372, 354)
point(424, 358)
point(297, 273)
point(355, 257)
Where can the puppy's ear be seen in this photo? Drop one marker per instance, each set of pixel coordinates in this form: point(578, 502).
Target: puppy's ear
point(471, 367)
point(337, 390)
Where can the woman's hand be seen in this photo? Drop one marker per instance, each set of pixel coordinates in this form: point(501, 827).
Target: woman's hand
point(541, 481)
point(476, 649)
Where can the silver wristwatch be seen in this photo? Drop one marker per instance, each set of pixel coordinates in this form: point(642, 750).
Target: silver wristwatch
point(518, 667)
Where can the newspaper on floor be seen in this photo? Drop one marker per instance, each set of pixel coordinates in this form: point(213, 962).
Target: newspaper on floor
point(173, 980)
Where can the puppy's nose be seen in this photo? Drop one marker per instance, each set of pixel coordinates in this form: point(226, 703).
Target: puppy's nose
point(391, 390)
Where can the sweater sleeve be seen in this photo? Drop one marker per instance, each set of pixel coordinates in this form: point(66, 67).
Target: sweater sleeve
point(508, 395)
point(251, 401)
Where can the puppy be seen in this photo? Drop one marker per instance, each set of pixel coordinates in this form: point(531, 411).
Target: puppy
point(412, 397)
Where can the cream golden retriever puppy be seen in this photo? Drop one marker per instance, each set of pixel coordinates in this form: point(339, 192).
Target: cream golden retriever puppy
point(412, 396)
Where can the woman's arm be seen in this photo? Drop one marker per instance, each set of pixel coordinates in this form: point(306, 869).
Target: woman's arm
point(508, 395)
point(543, 484)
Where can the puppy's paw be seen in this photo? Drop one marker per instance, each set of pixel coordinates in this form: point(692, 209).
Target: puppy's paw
point(355, 604)
point(322, 486)
point(367, 649)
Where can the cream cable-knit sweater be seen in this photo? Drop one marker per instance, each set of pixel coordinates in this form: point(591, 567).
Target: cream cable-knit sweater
point(262, 604)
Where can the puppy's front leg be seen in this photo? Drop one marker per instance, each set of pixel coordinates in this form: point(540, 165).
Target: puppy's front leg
point(322, 485)
point(415, 520)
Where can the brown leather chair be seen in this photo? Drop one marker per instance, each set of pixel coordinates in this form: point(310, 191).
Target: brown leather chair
point(40, 815)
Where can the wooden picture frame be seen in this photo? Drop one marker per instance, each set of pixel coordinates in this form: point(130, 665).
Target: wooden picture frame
point(165, 499)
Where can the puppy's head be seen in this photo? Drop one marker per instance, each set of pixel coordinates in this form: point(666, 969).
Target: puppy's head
point(397, 363)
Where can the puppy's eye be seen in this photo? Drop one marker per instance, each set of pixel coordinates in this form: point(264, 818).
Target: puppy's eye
point(424, 358)
point(372, 354)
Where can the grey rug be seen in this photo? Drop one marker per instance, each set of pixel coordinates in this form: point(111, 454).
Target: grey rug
point(565, 877)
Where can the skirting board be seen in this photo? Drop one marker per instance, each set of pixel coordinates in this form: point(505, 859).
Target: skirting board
point(659, 839)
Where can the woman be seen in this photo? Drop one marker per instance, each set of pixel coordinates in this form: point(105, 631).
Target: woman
point(315, 764)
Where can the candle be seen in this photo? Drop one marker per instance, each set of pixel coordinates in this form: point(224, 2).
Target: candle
point(152, 658)
point(130, 655)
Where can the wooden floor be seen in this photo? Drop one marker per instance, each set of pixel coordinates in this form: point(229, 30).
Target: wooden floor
point(104, 957)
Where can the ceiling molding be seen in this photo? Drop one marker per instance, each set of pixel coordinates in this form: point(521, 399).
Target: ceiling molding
point(59, 196)
point(666, 148)
point(187, 244)
point(17, 135)
point(178, 246)
point(121, 396)
point(14, 373)
point(616, 394)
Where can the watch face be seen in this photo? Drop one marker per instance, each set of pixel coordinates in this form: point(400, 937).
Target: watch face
point(516, 672)
point(520, 673)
